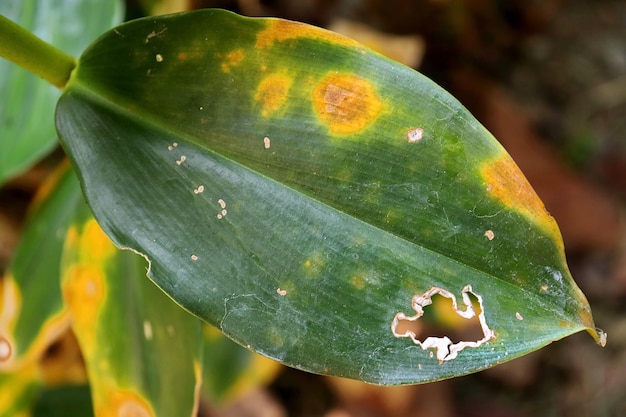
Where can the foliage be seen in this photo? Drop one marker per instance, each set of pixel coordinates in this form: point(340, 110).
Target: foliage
point(304, 195)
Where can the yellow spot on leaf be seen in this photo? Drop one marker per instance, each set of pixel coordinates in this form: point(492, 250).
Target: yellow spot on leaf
point(315, 264)
point(84, 291)
point(283, 30)
point(11, 298)
point(233, 59)
point(124, 404)
point(346, 103)
point(95, 245)
point(506, 183)
point(272, 92)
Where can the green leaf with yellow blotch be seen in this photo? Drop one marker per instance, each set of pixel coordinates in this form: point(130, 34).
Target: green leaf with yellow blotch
point(19, 389)
point(142, 351)
point(32, 314)
point(310, 197)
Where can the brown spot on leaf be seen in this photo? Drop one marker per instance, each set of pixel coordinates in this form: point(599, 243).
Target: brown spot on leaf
point(346, 103)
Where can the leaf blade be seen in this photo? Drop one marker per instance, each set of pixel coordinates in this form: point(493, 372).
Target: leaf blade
point(301, 214)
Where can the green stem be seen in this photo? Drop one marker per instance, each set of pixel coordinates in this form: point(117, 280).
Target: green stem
point(37, 56)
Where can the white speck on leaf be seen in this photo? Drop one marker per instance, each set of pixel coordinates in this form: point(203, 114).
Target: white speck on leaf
point(281, 292)
point(266, 142)
point(222, 203)
point(194, 257)
point(519, 316)
point(182, 159)
point(155, 34)
point(489, 234)
point(147, 330)
point(199, 189)
point(415, 135)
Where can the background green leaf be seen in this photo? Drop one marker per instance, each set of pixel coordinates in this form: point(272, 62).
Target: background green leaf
point(298, 190)
point(32, 314)
point(229, 370)
point(26, 123)
point(143, 352)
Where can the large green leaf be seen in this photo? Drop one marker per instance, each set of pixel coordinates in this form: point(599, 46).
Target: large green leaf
point(303, 193)
point(142, 351)
point(26, 122)
point(32, 314)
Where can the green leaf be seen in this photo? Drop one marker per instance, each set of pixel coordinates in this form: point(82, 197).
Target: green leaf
point(229, 370)
point(143, 352)
point(26, 120)
point(64, 401)
point(32, 314)
point(302, 193)
point(19, 389)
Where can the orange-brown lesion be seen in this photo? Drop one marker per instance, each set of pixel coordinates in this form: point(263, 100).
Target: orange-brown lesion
point(506, 183)
point(232, 59)
point(346, 103)
point(279, 30)
point(122, 403)
point(272, 93)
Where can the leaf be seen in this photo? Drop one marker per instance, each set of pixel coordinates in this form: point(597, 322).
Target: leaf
point(143, 352)
point(229, 370)
point(32, 314)
point(19, 389)
point(308, 196)
point(27, 124)
point(64, 401)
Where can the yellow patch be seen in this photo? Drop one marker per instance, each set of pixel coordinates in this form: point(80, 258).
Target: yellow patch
point(272, 92)
point(346, 103)
point(315, 264)
point(124, 404)
point(11, 298)
point(358, 281)
point(279, 30)
point(15, 384)
point(506, 183)
point(233, 59)
point(95, 245)
point(84, 291)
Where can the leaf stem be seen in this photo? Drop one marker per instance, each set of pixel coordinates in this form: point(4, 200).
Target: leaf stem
point(33, 54)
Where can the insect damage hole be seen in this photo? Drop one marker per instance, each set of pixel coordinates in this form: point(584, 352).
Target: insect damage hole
point(465, 326)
